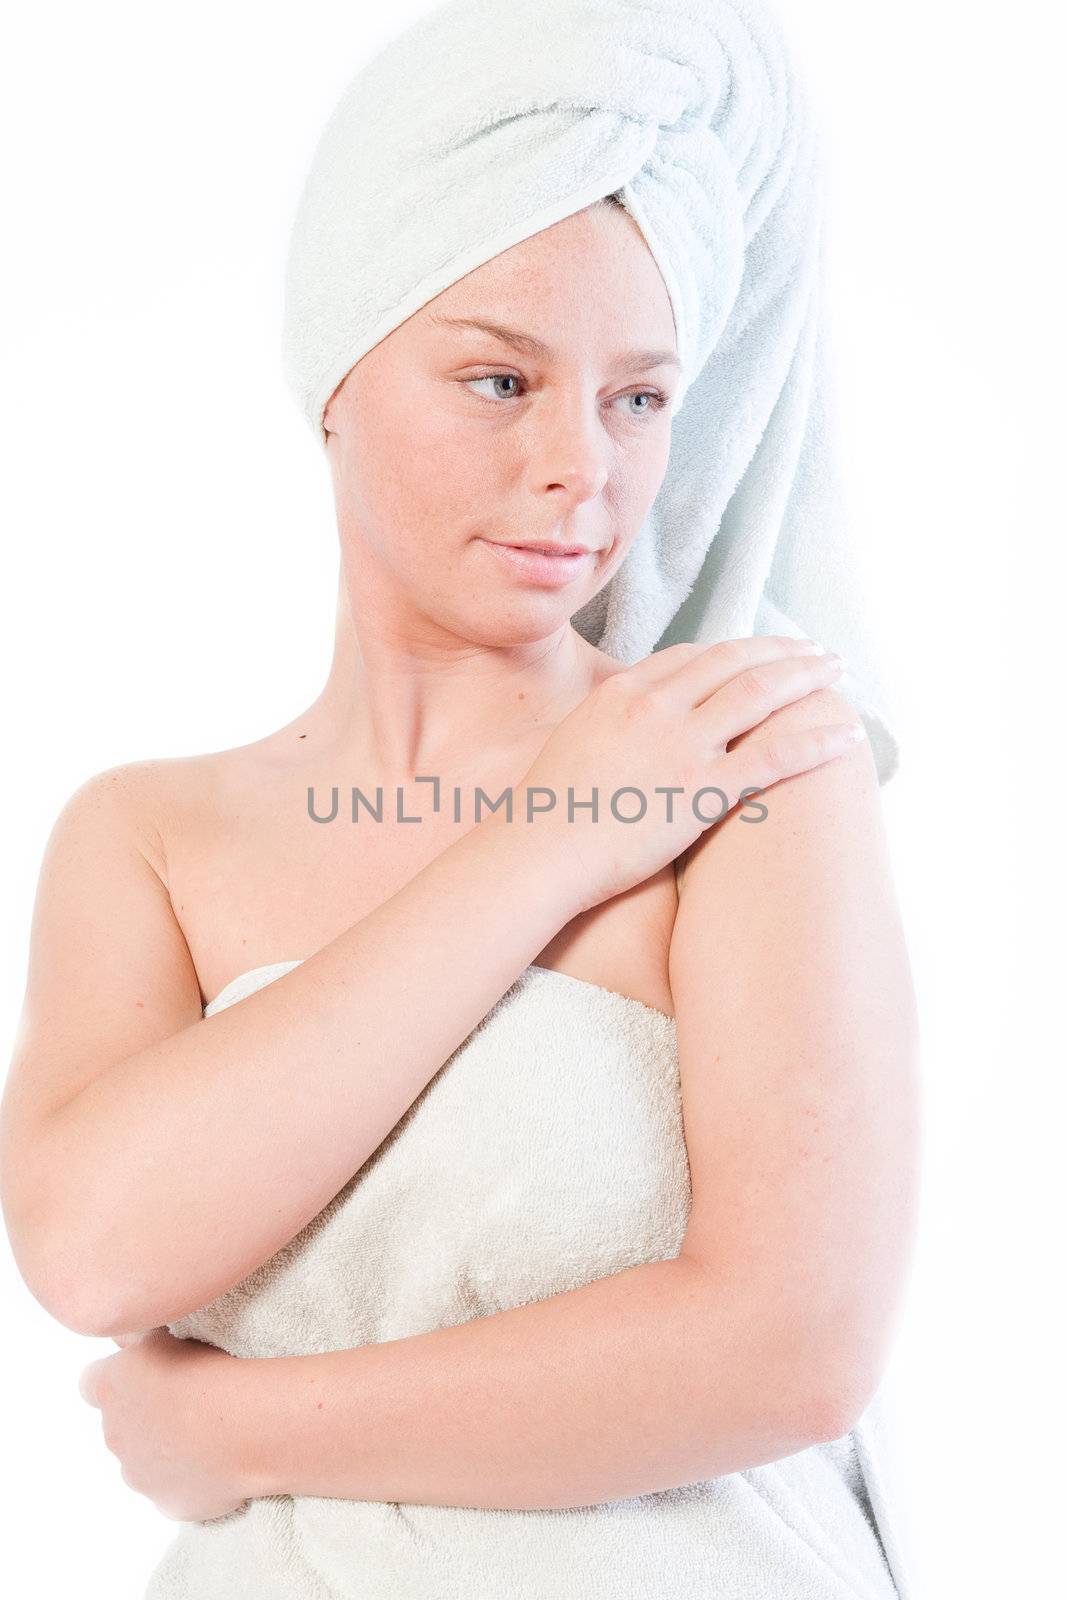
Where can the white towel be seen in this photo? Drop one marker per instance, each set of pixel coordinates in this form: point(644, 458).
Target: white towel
point(547, 1152)
point(490, 120)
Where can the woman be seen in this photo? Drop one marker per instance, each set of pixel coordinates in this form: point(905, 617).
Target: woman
point(551, 1171)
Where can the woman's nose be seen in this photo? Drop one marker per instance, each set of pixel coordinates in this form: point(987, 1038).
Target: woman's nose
point(572, 450)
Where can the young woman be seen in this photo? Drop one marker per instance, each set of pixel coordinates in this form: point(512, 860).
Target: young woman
point(515, 1201)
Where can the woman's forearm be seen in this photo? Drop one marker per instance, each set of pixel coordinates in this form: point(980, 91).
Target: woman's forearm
point(260, 1114)
point(653, 1377)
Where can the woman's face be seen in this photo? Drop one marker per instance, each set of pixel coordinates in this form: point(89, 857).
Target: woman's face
point(445, 440)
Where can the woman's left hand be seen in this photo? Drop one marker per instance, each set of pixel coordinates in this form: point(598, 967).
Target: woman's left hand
point(171, 1413)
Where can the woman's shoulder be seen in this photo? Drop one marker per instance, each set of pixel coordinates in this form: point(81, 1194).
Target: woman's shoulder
point(125, 798)
point(158, 799)
point(192, 780)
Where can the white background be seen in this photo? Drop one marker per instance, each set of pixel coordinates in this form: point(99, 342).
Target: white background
point(170, 565)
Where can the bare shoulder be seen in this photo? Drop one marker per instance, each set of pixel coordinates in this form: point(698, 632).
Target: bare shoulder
point(167, 801)
point(842, 792)
point(148, 803)
point(102, 915)
point(127, 797)
point(108, 966)
point(105, 930)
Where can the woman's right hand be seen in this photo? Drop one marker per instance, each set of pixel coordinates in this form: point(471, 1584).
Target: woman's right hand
point(665, 723)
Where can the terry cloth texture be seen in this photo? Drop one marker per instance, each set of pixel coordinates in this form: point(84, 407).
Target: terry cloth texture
point(485, 123)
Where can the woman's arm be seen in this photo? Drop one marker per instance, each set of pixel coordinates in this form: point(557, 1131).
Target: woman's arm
point(131, 1124)
point(798, 1047)
point(651, 1378)
point(797, 1041)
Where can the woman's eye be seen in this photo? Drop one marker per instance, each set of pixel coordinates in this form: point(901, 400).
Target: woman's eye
point(496, 377)
point(656, 400)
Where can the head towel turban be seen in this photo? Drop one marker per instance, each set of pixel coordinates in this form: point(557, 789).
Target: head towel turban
point(490, 120)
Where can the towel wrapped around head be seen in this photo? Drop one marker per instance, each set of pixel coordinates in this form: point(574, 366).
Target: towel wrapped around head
point(490, 120)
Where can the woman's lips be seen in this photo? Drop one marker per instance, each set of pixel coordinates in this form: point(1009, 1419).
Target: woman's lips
point(551, 572)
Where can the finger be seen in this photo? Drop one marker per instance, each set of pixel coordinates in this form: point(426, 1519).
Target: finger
point(760, 764)
point(697, 670)
point(748, 698)
point(738, 659)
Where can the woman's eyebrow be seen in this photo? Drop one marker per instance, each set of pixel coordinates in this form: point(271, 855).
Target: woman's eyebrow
point(631, 360)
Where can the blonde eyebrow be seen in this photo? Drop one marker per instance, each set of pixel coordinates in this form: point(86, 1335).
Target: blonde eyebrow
point(628, 360)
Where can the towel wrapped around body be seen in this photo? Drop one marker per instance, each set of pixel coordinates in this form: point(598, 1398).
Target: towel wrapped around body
point(547, 1152)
